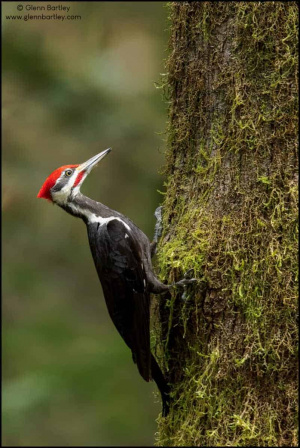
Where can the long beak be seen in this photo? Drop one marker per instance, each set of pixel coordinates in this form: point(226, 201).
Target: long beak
point(92, 162)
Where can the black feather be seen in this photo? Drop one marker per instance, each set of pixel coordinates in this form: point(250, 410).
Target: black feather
point(122, 256)
point(122, 275)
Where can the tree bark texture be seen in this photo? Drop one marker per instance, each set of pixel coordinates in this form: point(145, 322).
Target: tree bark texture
point(229, 343)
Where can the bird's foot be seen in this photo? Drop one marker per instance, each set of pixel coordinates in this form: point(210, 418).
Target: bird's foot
point(157, 230)
point(158, 226)
point(184, 296)
point(186, 280)
point(186, 275)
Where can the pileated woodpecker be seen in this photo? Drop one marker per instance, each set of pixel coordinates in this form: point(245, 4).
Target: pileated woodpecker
point(122, 256)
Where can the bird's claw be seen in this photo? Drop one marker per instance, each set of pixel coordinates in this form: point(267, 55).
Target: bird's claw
point(184, 297)
point(187, 273)
point(158, 226)
point(157, 213)
point(185, 282)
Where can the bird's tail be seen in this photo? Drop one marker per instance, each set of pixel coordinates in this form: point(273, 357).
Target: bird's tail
point(162, 385)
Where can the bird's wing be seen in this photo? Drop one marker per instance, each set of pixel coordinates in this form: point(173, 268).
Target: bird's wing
point(118, 260)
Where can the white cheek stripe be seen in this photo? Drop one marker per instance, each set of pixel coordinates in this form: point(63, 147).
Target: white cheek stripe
point(62, 195)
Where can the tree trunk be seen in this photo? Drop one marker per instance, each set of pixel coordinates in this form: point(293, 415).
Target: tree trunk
point(229, 343)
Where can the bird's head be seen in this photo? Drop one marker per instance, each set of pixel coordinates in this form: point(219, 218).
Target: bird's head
point(65, 182)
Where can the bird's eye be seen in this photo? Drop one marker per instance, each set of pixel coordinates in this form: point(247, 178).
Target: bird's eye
point(68, 173)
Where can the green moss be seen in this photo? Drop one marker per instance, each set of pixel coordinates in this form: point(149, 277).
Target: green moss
point(230, 214)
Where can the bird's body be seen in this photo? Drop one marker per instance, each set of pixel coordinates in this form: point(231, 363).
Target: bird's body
point(122, 257)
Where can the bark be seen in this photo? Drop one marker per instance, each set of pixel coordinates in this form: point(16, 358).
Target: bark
point(229, 343)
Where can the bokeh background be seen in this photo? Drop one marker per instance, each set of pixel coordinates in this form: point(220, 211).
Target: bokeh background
point(70, 90)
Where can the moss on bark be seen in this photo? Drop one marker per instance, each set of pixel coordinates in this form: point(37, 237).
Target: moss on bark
point(230, 213)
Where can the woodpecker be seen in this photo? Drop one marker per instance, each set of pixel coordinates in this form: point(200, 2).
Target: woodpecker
point(122, 257)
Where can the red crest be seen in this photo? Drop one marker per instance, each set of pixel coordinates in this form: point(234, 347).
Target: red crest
point(44, 192)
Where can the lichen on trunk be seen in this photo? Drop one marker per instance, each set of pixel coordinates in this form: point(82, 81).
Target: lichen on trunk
point(229, 344)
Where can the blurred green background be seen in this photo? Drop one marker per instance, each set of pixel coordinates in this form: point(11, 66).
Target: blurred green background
point(70, 90)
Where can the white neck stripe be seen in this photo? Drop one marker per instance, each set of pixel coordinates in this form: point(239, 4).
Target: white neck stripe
point(92, 217)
